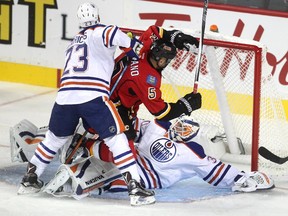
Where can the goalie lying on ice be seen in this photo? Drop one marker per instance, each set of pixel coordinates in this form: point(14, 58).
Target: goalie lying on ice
point(166, 153)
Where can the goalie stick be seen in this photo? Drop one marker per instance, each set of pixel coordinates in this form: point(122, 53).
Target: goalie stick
point(69, 157)
point(264, 152)
point(197, 72)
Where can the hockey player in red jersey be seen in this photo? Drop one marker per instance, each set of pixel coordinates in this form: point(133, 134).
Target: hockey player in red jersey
point(137, 82)
point(142, 79)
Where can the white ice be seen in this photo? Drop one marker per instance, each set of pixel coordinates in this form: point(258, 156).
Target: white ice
point(19, 101)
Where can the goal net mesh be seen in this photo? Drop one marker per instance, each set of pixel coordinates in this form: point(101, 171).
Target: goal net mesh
point(239, 96)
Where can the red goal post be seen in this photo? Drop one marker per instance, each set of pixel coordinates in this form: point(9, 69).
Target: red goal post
point(239, 97)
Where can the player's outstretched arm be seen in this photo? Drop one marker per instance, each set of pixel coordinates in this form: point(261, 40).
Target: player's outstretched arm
point(190, 102)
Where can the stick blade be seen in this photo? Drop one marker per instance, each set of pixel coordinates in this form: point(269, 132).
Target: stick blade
point(264, 152)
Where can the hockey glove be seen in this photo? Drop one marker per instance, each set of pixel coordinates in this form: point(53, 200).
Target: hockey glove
point(134, 51)
point(191, 102)
point(127, 120)
point(184, 41)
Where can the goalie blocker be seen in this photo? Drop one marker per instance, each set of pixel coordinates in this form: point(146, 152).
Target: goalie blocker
point(89, 174)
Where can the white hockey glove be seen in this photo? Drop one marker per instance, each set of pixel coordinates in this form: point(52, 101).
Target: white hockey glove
point(135, 49)
point(183, 130)
point(253, 181)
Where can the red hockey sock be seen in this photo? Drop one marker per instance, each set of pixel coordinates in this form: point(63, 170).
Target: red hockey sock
point(132, 147)
point(104, 153)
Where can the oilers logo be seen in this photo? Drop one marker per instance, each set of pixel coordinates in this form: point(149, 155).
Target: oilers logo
point(163, 150)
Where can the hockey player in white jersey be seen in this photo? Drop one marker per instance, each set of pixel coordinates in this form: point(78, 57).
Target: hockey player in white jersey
point(84, 94)
point(166, 154)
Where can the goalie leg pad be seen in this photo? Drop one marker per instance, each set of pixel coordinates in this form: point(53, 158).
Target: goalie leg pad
point(79, 179)
point(64, 184)
point(24, 139)
point(57, 183)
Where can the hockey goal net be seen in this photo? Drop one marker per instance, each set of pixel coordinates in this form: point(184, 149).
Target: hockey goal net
point(238, 96)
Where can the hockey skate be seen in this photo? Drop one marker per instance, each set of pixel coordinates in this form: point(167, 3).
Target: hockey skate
point(138, 195)
point(253, 181)
point(30, 182)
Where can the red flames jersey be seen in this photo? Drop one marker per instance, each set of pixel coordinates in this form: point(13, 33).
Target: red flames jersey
point(141, 82)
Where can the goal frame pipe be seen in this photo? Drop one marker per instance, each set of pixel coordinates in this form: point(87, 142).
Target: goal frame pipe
point(222, 101)
point(256, 92)
point(256, 109)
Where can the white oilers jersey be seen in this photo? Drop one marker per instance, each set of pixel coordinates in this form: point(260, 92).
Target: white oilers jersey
point(89, 64)
point(162, 162)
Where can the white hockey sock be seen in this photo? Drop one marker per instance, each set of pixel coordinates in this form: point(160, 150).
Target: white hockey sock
point(122, 154)
point(46, 151)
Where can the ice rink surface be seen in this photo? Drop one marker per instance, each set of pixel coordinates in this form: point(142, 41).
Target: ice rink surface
point(34, 103)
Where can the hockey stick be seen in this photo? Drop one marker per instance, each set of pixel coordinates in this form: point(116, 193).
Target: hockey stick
point(198, 64)
point(118, 79)
point(69, 158)
point(264, 152)
point(124, 66)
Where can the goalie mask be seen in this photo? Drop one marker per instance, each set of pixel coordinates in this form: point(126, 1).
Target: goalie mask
point(88, 15)
point(162, 49)
point(183, 130)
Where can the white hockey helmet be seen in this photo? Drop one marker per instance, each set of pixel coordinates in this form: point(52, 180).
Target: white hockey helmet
point(88, 14)
point(183, 129)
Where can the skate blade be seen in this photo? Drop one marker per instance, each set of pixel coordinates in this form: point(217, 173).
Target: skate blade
point(27, 190)
point(138, 201)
